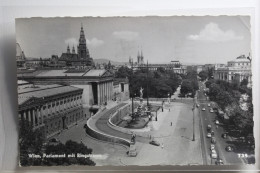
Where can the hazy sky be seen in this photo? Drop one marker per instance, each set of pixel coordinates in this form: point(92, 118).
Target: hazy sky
point(196, 40)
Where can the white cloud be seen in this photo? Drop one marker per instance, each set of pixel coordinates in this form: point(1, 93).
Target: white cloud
point(71, 41)
point(212, 32)
point(94, 42)
point(126, 35)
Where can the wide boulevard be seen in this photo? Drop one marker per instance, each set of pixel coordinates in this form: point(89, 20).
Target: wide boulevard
point(208, 118)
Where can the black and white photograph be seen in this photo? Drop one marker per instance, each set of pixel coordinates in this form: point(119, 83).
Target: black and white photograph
point(135, 91)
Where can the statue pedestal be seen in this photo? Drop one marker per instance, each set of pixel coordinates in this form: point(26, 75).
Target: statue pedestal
point(132, 150)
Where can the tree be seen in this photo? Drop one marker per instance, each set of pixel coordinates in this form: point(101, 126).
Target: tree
point(161, 69)
point(186, 87)
point(30, 141)
point(203, 75)
point(244, 82)
point(209, 82)
point(124, 72)
point(214, 90)
point(210, 72)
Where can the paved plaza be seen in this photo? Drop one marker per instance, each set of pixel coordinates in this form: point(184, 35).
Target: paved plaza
point(173, 131)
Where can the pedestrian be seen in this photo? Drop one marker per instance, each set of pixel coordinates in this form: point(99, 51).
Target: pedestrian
point(169, 110)
point(171, 123)
point(162, 146)
point(81, 140)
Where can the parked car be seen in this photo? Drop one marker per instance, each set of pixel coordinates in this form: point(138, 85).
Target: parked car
point(213, 140)
point(209, 105)
point(219, 162)
point(209, 135)
point(224, 135)
point(203, 109)
point(209, 127)
point(212, 146)
point(215, 109)
point(54, 140)
point(229, 148)
point(154, 143)
point(212, 132)
point(217, 122)
point(211, 110)
point(214, 154)
point(198, 105)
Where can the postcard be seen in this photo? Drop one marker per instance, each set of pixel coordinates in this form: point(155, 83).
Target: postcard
point(144, 91)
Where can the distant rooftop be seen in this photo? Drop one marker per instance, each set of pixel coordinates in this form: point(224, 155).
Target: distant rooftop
point(63, 72)
point(32, 88)
point(241, 58)
point(59, 73)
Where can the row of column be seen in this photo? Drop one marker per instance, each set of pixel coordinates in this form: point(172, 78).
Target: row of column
point(105, 92)
point(37, 114)
point(62, 104)
point(33, 115)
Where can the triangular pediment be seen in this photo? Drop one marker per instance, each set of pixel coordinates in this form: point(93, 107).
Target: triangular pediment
point(107, 74)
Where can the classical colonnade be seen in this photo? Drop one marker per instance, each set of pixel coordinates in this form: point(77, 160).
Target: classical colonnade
point(37, 114)
point(105, 92)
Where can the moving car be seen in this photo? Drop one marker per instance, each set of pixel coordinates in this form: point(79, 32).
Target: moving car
point(213, 140)
point(214, 154)
point(219, 162)
point(211, 110)
point(217, 122)
point(229, 148)
point(154, 143)
point(209, 105)
point(203, 109)
point(209, 135)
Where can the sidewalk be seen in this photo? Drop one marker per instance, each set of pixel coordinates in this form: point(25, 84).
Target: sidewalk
point(176, 146)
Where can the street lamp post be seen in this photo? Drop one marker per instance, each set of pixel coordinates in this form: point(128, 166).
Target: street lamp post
point(147, 84)
point(133, 104)
point(193, 138)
